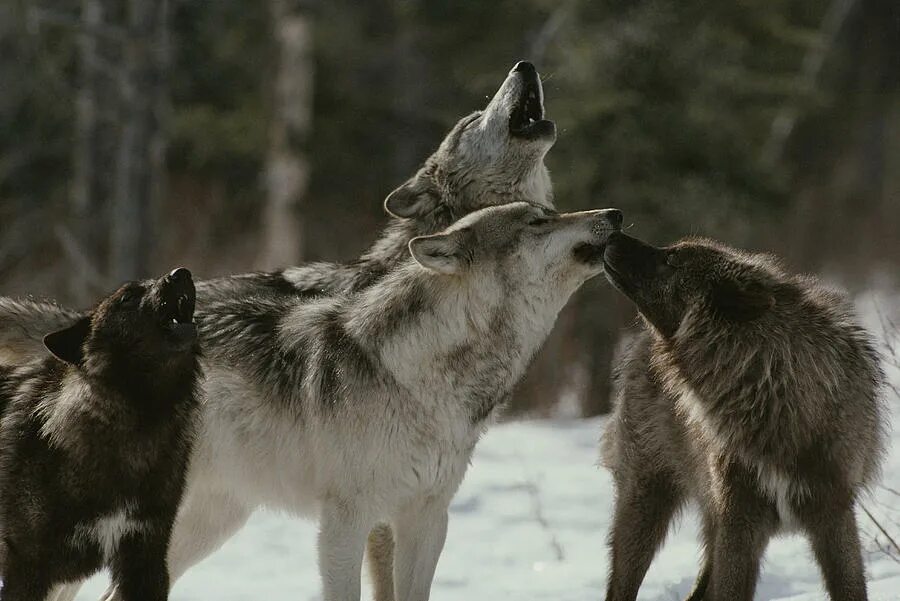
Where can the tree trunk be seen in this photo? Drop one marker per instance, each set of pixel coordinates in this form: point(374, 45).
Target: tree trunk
point(86, 193)
point(287, 169)
point(140, 168)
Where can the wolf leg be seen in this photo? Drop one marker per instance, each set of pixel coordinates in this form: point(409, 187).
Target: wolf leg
point(835, 542)
point(643, 511)
point(139, 567)
point(342, 541)
point(698, 593)
point(421, 532)
point(380, 552)
point(745, 521)
point(206, 519)
point(739, 547)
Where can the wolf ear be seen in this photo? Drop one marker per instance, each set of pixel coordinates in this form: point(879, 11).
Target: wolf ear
point(742, 301)
point(66, 345)
point(415, 198)
point(440, 252)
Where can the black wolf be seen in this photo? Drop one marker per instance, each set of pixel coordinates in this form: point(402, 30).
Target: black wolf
point(95, 441)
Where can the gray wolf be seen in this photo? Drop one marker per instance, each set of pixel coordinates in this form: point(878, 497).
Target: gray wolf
point(490, 157)
point(95, 442)
point(364, 408)
point(752, 391)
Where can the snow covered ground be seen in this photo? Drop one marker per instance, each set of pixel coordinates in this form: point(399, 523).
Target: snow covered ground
point(530, 522)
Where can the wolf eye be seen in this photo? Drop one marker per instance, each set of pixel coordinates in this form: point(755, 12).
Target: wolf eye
point(538, 221)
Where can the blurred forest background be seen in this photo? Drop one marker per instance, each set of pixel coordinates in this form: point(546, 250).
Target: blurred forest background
point(228, 135)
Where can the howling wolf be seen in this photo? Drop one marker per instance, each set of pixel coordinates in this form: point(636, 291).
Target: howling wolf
point(490, 157)
point(753, 391)
point(95, 443)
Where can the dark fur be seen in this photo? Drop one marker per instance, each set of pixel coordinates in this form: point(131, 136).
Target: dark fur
point(108, 432)
point(744, 371)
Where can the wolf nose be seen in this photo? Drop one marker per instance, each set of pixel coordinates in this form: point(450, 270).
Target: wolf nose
point(614, 216)
point(525, 67)
point(179, 275)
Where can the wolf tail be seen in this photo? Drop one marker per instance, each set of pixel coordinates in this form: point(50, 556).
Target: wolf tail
point(23, 325)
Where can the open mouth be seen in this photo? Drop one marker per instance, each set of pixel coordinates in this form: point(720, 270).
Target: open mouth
point(183, 310)
point(526, 120)
point(178, 304)
point(589, 254)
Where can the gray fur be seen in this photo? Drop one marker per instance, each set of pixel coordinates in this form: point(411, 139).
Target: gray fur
point(754, 392)
point(366, 406)
point(23, 325)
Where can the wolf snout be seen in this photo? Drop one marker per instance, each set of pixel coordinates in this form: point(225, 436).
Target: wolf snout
point(179, 282)
point(524, 67)
point(178, 295)
point(179, 274)
point(614, 217)
point(606, 220)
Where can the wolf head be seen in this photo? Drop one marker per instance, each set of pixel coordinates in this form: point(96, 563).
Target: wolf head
point(532, 250)
point(490, 157)
point(698, 278)
point(140, 328)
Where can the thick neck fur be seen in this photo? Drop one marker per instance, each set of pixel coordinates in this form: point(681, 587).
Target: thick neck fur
point(150, 393)
point(774, 388)
point(470, 335)
point(392, 248)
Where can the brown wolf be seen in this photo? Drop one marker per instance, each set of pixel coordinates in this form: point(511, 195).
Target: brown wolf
point(754, 392)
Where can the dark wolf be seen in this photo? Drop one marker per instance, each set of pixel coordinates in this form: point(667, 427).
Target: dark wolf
point(95, 442)
point(752, 391)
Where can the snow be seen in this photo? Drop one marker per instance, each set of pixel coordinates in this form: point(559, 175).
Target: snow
point(530, 522)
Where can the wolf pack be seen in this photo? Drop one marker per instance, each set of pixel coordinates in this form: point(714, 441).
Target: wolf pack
point(139, 435)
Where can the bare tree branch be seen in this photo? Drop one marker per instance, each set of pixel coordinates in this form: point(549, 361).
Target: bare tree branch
point(893, 543)
point(287, 166)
